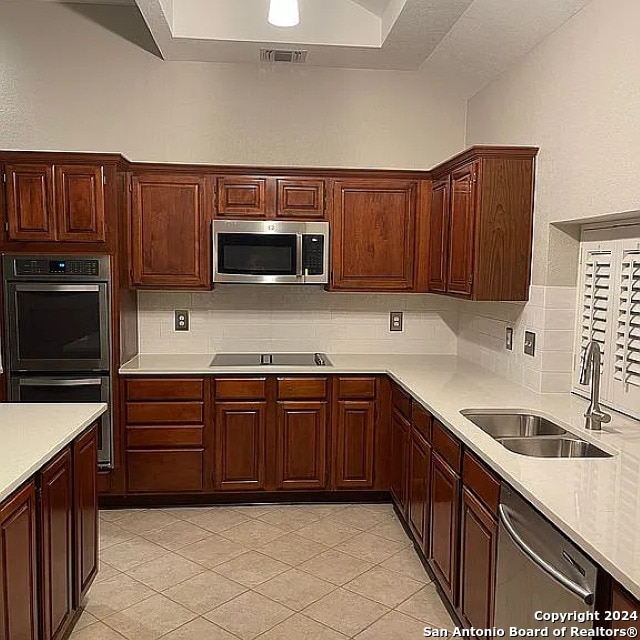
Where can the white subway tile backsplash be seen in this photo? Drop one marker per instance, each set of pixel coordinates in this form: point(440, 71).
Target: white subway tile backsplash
point(290, 319)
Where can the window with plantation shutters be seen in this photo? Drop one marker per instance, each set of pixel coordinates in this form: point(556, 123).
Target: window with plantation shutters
point(609, 313)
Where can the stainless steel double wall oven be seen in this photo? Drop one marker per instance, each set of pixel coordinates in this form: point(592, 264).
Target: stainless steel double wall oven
point(58, 332)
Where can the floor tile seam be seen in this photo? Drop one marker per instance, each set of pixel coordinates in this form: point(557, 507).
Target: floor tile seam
point(264, 595)
point(115, 613)
point(222, 533)
point(247, 550)
point(200, 617)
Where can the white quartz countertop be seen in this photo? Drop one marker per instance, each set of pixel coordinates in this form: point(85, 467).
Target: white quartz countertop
point(32, 434)
point(596, 502)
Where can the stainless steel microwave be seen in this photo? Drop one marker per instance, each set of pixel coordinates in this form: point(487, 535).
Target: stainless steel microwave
point(270, 252)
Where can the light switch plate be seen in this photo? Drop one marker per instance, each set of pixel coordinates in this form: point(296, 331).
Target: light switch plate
point(181, 320)
point(395, 321)
point(509, 339)
point(530, 343)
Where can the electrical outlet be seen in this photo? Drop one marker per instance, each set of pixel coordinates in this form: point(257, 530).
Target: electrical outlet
point(509, 339)
point(530, 343)
point(395, 321)
point(181, 320)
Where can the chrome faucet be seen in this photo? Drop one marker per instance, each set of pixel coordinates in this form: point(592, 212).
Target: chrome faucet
point(591, 359)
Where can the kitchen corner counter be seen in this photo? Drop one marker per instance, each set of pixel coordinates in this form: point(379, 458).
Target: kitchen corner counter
point(32, 434)
point(596, 502)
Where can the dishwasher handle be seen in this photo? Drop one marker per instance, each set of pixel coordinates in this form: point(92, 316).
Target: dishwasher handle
point(584, 594)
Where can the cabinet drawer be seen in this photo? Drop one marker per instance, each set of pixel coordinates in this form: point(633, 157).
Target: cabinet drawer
point(165, 389)
point(164, 412)
point(481, 481)
point(401, 401)
point(173, 436)
point(421, 420)
point(306, 388)
point(357, 388)
point(447, 446)
point(241, 388)
point(165, 471)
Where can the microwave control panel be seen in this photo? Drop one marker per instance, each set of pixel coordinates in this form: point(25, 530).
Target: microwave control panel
point(313, 254)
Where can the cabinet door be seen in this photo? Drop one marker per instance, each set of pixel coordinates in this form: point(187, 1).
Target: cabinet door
point(301, 445)
point(301, 198)
point(30, 202)
point(354, 442)
point(79, 203)
point(626, 604)
point(373, 235)
point(461, 230)
point(18, 579)
point(169, 232)
point(444, 525)
point(56, 544)
point(439, 235)
point(240, 445)
point(244, 197)
point(419, 479)
point(478, 536)
point(400, 434)
point(85, 507)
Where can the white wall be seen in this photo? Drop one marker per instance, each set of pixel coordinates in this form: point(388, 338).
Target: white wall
point(67, 83)
point(577, 97)
point(279, 318)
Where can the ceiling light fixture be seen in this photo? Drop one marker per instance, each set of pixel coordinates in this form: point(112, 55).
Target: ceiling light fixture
point(284, 13)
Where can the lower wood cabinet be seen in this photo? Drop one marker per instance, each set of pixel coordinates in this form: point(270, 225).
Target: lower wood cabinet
point(354, 444)
point(444, 524)
point(301, 447)
point(624, 607)
point(18, 566)
point(478, 538)
point(400, 439)
point(48, 544)
point(240, 442)
point(56, 545)
point(418, 487)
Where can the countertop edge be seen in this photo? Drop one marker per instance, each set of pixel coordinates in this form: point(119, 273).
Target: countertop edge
point(15, 484)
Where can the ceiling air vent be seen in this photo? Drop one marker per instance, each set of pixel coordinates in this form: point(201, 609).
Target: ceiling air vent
point(297, 56)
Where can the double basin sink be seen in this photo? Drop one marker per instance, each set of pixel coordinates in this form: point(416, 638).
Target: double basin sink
point(531, 435)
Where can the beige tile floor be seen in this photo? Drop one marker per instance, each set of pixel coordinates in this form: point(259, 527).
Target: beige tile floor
point(317, 572)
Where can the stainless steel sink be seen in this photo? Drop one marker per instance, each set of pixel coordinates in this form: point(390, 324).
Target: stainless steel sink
point(553, 447)
point(531, 435)
point(500, 425)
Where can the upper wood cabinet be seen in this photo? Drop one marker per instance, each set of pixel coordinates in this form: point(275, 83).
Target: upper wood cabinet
point(373, 234)
point(169, 230)
point(481, 222)
point(267, 197)
point(48, 202)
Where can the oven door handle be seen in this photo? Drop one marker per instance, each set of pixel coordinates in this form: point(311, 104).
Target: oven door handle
point(57, 287)
point(585, 595)
point(53, 382)
point(299, 273)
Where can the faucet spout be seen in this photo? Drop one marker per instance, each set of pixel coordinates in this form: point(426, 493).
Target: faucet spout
point(590, 369)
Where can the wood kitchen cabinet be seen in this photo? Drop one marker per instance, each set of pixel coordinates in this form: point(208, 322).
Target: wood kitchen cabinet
point(302, 416)
point(165, 435)
point(373, 235)
point(18, 566)
point(85, 512)
point(444, 525)
point(400, 442)
point(169, 230)
point(419, 468)
point(478, 543)
point(354, 431)
point(627, 606)
point(56, 544)
point(481, 223)
point(268, 197)
point(55, 202)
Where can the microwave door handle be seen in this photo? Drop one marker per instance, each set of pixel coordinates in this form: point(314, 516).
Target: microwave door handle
point(299, 273)
point(48, 382)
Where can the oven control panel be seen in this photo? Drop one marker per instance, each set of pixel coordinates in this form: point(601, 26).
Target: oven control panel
point(42, 267)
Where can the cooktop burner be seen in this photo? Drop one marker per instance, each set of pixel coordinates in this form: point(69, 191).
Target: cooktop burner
point(273, 359)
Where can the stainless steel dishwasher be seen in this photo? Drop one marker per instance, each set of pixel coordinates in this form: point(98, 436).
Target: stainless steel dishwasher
point(538, 569)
